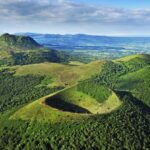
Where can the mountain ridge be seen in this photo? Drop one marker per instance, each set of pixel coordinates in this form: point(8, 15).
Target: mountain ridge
point(22, 42)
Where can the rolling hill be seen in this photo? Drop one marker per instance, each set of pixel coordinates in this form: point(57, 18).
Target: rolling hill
point(100, 105)
point(61, 74)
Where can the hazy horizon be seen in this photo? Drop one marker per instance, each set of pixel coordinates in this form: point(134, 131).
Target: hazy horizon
point(65, 34)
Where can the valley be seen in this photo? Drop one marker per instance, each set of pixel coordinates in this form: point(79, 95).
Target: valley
point(93, 47)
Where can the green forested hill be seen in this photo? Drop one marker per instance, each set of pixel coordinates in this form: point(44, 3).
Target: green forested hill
point(107, 110)
point(21, 50)
point(22, 42)
point(138, 83)
point(131, 75)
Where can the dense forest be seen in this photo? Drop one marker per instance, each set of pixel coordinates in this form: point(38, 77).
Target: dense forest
point(126, 128)
point(18, 90)
point(32, 57)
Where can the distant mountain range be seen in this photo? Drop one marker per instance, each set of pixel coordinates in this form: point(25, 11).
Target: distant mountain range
point(85, 40)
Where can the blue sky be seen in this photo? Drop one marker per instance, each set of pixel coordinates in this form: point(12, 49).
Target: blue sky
point(98, 17)
point(120, 3)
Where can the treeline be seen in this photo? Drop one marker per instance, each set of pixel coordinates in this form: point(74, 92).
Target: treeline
point(113, 70)
point(22, 58)
point(35, 56)
point(18, 90)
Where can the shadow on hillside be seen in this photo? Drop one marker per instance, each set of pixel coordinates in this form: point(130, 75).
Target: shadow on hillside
point(57, 103)
point(138, 103)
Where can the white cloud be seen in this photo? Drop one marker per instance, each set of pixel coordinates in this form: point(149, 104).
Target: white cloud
point(68, 12)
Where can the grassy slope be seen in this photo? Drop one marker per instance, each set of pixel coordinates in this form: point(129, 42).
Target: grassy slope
point(39, 111)
point(62, 75)
point(134, 77)
point(42, 113)
point(4, 54)
point(129, 58)
point(75, 63)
